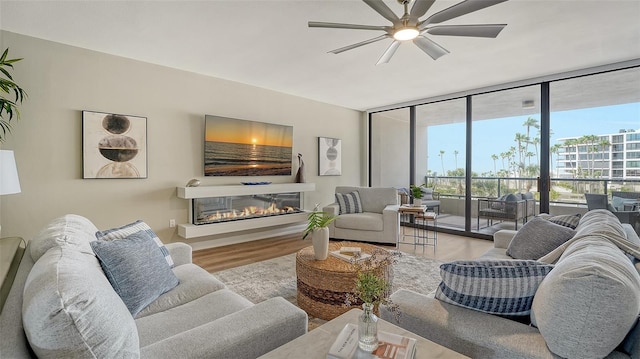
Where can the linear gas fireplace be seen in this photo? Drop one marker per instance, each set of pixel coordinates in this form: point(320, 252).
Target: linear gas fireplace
point(238, 208)
point(223, 209)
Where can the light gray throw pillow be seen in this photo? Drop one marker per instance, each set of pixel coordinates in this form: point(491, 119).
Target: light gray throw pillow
point(537, 238)
point(136, 269)
point(71, 311)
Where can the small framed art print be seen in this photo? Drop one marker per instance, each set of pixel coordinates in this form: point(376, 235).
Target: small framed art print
point(113, 145)
point(329, 156)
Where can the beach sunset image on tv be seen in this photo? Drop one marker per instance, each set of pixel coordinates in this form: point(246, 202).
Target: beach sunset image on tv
point(236, 147)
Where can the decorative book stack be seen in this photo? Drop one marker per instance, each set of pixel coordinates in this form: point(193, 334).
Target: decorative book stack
point(350, 254)
point(392, 346)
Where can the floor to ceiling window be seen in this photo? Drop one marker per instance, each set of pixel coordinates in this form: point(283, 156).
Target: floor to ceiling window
point(484, 145)
point(505, 156)
point(440, 155)
point(595, 140)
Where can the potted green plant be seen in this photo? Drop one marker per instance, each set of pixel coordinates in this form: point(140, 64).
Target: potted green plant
point(417, 192)
point(318, 228)
point(8, 107)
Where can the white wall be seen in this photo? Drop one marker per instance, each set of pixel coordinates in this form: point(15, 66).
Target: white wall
point(62, 80)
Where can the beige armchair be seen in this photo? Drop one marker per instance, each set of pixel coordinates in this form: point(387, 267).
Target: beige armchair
point(378, 222)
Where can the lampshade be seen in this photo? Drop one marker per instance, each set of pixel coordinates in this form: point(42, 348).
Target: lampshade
point(9, 182)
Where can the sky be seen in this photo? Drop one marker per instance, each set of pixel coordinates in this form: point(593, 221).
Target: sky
point(496, 136)
point(223, 129)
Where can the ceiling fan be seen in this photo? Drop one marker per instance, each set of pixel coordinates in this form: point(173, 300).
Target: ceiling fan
point(410, 27)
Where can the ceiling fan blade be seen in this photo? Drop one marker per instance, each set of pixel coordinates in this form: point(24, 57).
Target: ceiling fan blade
point(467, 30)
point(388, 52)
point(366, 42)
point(381, 8)
point(334, 25)
point(430, 47)
point(419, 8)
point(463, 8)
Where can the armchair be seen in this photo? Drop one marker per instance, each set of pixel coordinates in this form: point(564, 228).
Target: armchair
point(506, 208)
point(377, 220)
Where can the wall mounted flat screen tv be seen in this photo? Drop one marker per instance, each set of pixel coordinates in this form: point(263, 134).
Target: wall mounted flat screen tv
point(234, 147)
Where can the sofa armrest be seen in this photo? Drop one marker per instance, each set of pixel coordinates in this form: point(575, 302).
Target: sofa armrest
point(332, 209)
point(248, 334)
point(180, 252)
point(503, 237)
point(472, 333)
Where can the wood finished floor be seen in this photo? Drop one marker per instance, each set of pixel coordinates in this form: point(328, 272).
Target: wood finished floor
point(450, 247)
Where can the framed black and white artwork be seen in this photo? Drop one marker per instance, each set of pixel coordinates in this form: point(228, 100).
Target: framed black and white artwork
point(330, 156)
point(113, 145)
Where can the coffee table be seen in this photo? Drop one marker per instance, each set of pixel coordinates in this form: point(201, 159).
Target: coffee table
point(322, 286)
point(316, 343)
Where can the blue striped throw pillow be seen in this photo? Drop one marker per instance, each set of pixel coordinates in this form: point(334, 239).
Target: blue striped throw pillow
point(499, 287)
point(349, 202)
point(133, 228)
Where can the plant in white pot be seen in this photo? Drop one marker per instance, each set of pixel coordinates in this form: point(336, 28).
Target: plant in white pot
point(417, 192)
point(317, 228)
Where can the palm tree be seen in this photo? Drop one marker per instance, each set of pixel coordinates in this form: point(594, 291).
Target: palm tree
point(494, 157)
point(528, 123)
point(521, 139)
point(455, 156)
point(442, 161)
point(555, 149)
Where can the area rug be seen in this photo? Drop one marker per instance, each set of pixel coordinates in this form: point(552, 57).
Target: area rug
point(277, 277)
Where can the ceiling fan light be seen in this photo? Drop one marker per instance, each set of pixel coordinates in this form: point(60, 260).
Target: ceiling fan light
point(406, 33)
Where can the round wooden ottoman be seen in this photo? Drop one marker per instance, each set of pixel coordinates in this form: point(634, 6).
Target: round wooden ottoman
point(323, 285)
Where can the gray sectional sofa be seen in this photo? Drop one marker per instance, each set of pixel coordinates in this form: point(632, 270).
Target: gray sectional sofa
point(61, 305)
point(586, 307)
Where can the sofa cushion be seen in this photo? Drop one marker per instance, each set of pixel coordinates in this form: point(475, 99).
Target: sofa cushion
point(136, 268)
point(71, 311)
point(363, 221)
point(585, 307)
point(537, 238)
point(136, 227)
point(195, 282)
point(567, 220)
point(69, 230)
point(206, 309)
point(497, 287)
point(349, 202)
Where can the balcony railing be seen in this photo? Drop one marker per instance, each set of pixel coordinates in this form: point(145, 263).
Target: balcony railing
point(563, 190)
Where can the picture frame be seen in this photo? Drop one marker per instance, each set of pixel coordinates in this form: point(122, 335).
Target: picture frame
point(329, 156)
point(113, 145)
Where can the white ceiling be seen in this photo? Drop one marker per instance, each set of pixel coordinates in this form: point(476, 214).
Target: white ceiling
point(267, 43)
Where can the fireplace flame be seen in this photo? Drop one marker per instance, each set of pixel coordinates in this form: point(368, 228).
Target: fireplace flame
point(249, 212)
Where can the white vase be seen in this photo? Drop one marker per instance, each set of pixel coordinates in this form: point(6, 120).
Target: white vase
point(417, 202)
point(320, 241)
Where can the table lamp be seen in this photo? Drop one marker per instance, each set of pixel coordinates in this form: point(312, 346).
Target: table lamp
point(9, 182)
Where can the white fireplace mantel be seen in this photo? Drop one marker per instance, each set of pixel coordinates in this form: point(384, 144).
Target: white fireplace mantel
point(190, 230)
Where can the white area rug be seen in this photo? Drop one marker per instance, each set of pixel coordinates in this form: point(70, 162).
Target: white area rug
point(277, 277)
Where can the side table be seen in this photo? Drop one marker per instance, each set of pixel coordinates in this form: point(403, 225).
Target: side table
point(418, 217)
point(11, 252)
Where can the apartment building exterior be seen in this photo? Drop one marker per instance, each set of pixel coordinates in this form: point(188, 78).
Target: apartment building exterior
point(611, 156)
